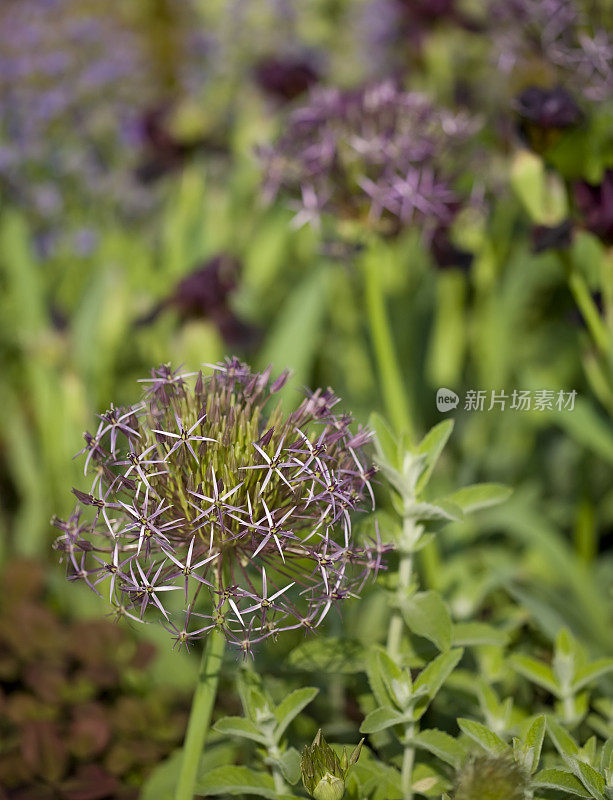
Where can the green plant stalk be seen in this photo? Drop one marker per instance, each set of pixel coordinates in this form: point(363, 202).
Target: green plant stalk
point(585, 303)
point(200, 714)
point(394, 634)
point(394, 393)
point(406, 774)
point(279, 781)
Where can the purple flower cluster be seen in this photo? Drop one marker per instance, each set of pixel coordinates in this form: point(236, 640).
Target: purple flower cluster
point(211, 508)
point(75, 75)
point(378, 155)
point(571, 49)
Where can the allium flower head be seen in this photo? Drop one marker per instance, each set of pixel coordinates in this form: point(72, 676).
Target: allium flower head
point(572, 49)
point(210, 507)
point(378, 155)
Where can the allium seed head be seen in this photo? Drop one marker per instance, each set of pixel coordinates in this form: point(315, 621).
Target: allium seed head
point(210, 507)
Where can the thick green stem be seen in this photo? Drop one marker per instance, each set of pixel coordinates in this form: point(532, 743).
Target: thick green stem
point(394, 392)
point(200, 715)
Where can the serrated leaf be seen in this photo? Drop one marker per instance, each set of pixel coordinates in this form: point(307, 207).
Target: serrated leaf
point(378, 685)
point(479, 496)
point(291, 706)
point(237, 781)
point(239, 726)
point(427, 615)
point(592, 672)
point(331, 654)
point(483, 736)
point(560, 780)
point(432, 446)
point(442, 745)
point(536, 672)
point(380, 719)
point(473, 634)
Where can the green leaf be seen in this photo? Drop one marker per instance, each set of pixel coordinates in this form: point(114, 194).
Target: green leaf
point(291, 706)
point(606, 756)
point(479, 496)
point(532, 744)
point(438, 511)
point(432, 446)
point(442, 745)
point(434, 676)
point(398, 686)
point(473, 634)
point(563, 741)
point(161, 784)
point(592, 672)
point(484, 737)
point(536, 672)
point(380, 719)
point(237, 781)
point(385, 440)
point(560, 780)
point(427, 615)
point(239, 726)
point(331, 654)
point(591, 779)
point(290, 765)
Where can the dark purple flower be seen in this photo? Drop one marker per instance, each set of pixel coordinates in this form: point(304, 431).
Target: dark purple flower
point(213, 505)
point(285, 78)
point(556, 237)
point(548, 108)
point(205, 294)
point(595, 204)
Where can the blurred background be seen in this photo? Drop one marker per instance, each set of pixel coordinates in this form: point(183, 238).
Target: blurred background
point(137, 227)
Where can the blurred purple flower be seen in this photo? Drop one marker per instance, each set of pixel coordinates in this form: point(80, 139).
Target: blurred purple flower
point(205, 294)
point(205, 490)
point(574, 50)
point(74, 74)
point(285, 78)
point(378, 155)
point(595, 204)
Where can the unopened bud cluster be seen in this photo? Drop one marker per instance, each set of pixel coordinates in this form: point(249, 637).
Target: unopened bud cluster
point(323, 772)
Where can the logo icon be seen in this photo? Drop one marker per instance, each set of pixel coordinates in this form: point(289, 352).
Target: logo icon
point(446, 400)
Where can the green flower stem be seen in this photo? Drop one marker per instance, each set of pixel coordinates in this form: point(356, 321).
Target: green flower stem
point(394, 393)
point(200, 714)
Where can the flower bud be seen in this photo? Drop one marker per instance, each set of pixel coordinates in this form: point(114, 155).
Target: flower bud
point(323, 772)
point(491, 778)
